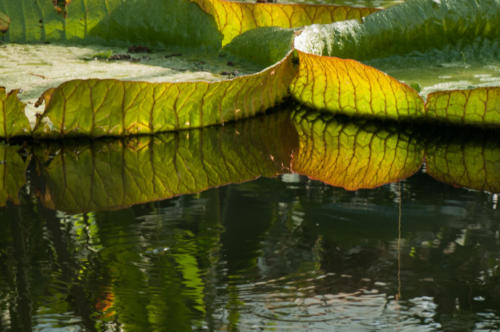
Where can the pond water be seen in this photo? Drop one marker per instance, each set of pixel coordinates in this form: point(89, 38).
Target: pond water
point(224, 229)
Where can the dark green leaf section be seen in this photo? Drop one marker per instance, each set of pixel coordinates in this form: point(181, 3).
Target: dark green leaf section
point(353, 155)
point(13, 121)
point(470, 160)
point(415, 25)
point(118, 108)
point(155, 23)
point(108, 174)
point(12, 173)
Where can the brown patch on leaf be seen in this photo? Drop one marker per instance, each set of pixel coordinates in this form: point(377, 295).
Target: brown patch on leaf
point(4, 22)
point(60, 6)
point(45, 97)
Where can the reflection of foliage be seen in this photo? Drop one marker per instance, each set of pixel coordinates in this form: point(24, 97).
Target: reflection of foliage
point(353, 155)
point(117, 173)
point(13, 173)
point(470, 160)
point(81, 176)
point(169, 266)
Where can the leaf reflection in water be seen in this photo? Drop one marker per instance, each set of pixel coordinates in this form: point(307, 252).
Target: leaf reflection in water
point(109, 174)
point(106, 174)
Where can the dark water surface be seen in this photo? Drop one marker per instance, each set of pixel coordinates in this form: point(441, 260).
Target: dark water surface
point(222, 229)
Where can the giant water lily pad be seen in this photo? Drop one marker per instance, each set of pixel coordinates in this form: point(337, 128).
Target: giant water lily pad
point(329, 75)
point(454, 40)
point(163, 99)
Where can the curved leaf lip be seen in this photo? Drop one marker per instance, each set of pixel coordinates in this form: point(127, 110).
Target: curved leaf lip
point(134, 108)
point(471, 107)
point(350, 87)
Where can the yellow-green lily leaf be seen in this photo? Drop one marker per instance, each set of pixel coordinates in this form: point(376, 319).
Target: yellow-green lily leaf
point(471, 161)
point(13, 173)
point(117, 108)
point(112, 173)
point(233, 18)
point(13, 121)
point(4, 22)
point(353, 155)
point(480, 106)
point(350, 87)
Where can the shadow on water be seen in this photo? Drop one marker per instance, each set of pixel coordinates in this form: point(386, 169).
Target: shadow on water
point(224, 228)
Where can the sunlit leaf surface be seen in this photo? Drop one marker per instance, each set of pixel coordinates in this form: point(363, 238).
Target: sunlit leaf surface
point(117, 108)
point(110, 107)
point(350, 87)
point(470, 160)
point(107, 107)
point(13, 121)
point(479, 106)
point(353, 155)
point(13, 173)
point(400, 36)
point(234, 18)
point(108, 174)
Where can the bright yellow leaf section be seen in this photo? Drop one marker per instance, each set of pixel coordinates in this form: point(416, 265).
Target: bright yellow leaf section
point(350, 87)
point(353, 155)
point(480, 106)
point(234, 18)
